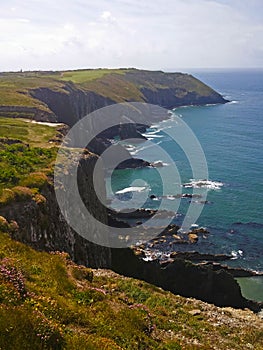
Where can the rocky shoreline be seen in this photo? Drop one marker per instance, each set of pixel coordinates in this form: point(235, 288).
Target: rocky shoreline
point(171, 269)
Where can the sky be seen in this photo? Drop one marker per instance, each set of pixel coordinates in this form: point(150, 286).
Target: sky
point(149, 34)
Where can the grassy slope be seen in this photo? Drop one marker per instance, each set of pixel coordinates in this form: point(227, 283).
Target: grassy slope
point(24, 164)
point(15, 87)
point(28, 132)
point(47, 302)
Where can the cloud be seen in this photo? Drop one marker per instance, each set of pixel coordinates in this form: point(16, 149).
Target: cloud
point(145, 34)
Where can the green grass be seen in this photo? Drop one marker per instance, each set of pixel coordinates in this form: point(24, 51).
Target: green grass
point(47, 302)
point(31, 133)
point(15, 87)
point(18, 161)
point(87, 75)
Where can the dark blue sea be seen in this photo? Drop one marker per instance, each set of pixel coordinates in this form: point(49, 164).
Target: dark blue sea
point(231, 136)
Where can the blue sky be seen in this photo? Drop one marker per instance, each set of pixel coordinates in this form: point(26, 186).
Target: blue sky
point(36, 34)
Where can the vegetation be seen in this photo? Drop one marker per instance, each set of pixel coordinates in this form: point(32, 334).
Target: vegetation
point(24, 168)
point(30, 133)
point(17, 161)
point(48, 302)
point(87, 75)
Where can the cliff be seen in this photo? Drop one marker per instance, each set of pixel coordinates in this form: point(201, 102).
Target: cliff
point(34, 211)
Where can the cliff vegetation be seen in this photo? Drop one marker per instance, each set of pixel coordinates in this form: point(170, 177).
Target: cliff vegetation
point(48, 302)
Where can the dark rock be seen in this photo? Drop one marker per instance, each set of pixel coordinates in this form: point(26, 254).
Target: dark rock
point(195, 256)
point(134, 213)
point(7, 141)
point(133, 163)
point(184, 278)
point(235, 272)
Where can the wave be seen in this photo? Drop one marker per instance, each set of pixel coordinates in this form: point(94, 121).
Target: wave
point(131, 189)
point(171, 198)
point(152, 135)
point(236, 254)
point(211, 185)
point(140, 149)
point(233, 102)
point(130, 147)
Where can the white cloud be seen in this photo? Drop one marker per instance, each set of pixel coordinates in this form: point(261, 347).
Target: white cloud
point(154, 35)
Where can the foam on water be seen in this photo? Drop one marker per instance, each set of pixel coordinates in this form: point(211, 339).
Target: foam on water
point(131, 189)
point(211, 185)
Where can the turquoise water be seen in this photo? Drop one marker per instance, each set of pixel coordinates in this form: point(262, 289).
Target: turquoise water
point(232, 139)
point(251, 287)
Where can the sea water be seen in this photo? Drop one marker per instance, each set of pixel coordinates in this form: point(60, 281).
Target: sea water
point(231, 136)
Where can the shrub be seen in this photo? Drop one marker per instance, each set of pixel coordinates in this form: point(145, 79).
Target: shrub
point(15, 277)
point(6, 197)
point(22, 193)
point(82, 273)
point(4, 226)
point(35, 180)
point(39, 199)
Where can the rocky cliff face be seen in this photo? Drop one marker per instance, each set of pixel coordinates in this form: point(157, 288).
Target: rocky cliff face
point(41, 224)
point(184, 278)
point(72, 104)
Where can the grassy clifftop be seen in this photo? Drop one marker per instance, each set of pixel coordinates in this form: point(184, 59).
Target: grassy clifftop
point(20, 92)
point(48, 302)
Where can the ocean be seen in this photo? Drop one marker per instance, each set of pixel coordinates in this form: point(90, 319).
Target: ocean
point(231, 136)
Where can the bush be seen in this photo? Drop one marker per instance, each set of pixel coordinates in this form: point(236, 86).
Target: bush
point(35, 180)
point(22, 193)
point(39, 199)
point(4, 226)
point(6, 197)
point(82, 273)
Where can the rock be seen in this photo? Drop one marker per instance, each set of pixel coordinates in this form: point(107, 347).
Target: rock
point(133, 163)
point(8, 141)
point(195, 312)
point(193, 238)
point(134, 213)
point(128, 130)
point(235, 272)
point(158, 164)
point(184, 278)
point(187, 195)
point(196, 256)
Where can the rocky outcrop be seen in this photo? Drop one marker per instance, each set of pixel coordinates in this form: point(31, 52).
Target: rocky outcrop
point(167, 97)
